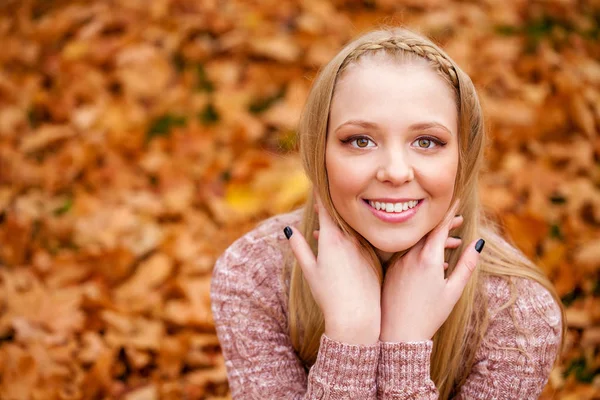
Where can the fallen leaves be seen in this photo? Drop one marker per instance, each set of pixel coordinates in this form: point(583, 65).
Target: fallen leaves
point(139, 139)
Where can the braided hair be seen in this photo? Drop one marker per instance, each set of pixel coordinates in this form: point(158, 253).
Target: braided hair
point(429, 52)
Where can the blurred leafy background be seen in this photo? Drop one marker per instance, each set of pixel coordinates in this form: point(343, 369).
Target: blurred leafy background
point(139, 138)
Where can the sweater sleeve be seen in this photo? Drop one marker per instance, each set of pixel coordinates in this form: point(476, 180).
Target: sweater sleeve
point(403, 371)
point(513, 362)
point(251, 322)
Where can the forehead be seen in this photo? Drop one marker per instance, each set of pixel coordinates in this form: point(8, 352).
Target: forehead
point(386, 91)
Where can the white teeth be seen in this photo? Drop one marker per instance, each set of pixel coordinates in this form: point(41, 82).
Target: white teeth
point(393, 207)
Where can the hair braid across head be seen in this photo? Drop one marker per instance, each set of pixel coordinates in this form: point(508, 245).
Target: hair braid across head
point(423, 50)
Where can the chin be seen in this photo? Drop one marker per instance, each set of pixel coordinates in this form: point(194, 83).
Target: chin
point(394, 246)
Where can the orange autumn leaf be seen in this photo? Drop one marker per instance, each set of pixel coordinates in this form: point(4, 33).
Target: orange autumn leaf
point(526, 231)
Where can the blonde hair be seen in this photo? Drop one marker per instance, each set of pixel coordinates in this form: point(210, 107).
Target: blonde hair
point(452, 358)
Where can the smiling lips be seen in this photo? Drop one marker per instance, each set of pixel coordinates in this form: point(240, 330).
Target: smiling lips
point(393, 207)
point(393, 211)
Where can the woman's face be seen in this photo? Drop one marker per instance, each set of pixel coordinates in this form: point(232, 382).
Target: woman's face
point(392, 151)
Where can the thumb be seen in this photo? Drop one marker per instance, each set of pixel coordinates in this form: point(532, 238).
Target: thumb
point(464, 269)
point(302, 251)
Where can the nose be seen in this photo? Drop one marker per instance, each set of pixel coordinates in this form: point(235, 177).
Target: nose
point(395, 168)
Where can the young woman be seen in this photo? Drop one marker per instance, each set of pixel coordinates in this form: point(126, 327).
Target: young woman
point(384, 289)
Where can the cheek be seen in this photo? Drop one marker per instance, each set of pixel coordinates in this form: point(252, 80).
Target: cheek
point(441, 183)
point(345, 181)
point(438, 178)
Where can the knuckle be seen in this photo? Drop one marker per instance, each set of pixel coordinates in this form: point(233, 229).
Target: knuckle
point(470, 264)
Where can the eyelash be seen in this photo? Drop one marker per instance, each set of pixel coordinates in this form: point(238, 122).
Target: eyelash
point(437, 141)
point(355, 138)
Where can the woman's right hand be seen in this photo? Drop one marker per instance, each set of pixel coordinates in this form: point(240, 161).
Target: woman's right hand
point(342, 282)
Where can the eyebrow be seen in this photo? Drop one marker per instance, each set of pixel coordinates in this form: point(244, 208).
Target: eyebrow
point(414, 127)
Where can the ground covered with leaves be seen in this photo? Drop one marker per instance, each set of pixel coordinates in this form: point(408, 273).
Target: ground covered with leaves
point(139, 138)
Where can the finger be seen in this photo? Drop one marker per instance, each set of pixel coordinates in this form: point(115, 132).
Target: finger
point(450, 215)
point(301, 250)
point(445, 266)
point(453, 242)
point(325, 220)
point(439, 235)
point(464, 269)
point(316, 234)
point(456, 222)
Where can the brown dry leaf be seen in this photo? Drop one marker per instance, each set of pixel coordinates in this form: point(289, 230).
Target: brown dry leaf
point(178, 197)
point(171, 355)
point(322, 19)
point(580, 192)
point(45, 136)
point(99, 377)
point(511, 113)
point(12, 119)
point(138, 332)
point(591, 337)
point(583, 116)
point(202, 352)
point(195, 311)
point(577, 154)
point(18, 373)
point(565, 279)
point(38, 314)
point(67, 273)
point(280, 47)
point(526, 231)
point(14, 236)
point(50, 366)
point(203, 377)
point(113, 265)
point(92, 347)
point(148, 275)
point(578, 318)
point(149, 392)
point(498, 198)
point(588, 256)
point(137, 359)
point(180, 312)
point(553, 258)
point(112, 228)
point(286, 113)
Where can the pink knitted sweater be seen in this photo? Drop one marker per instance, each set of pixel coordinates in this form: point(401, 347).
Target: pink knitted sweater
point(249, 304)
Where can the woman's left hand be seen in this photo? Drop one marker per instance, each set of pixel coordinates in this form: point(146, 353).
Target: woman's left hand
point(417, 298)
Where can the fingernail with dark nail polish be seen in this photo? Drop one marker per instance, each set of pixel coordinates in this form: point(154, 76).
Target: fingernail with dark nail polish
point(287, 231)
point(479, 245)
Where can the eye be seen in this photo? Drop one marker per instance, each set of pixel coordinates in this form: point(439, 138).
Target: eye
point(359, 142)
point(362, 142)
point(424, 143)
point(428, 143)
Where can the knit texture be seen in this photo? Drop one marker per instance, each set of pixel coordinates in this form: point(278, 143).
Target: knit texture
point(249, 305)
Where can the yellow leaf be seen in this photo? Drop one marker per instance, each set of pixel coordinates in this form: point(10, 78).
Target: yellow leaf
point(75, 50)
point(242, 199)
point(292, 191)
